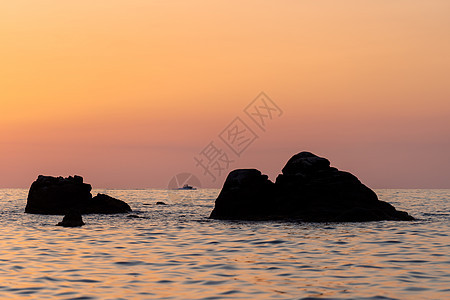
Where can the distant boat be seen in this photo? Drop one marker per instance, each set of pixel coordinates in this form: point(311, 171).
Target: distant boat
point(187, 187)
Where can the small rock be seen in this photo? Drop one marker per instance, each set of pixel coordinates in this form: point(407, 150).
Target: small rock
point(72, 219)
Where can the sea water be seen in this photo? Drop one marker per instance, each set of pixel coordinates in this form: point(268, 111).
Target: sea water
point(174, 251)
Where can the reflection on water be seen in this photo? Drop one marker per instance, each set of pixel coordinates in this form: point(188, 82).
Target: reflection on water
point(174, 252)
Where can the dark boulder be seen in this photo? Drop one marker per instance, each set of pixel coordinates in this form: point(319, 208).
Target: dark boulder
point(58, 195)
point(104, 204)
point(72, 219)
point(246, 193)
point(308, 189)
point(305, 162)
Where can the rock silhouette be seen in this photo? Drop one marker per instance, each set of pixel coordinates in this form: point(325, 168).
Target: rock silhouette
point(104, 204)
point(72, 219)
point(308, 190)
point(58, 196)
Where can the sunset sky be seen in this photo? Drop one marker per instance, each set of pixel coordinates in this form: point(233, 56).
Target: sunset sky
point(127, 93)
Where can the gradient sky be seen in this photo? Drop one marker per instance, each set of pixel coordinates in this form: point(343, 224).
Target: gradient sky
point(126, 93)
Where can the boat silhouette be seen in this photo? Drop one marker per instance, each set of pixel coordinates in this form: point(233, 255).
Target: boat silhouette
point(187, 187)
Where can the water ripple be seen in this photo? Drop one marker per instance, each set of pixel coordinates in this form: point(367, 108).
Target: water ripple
point(176, 252)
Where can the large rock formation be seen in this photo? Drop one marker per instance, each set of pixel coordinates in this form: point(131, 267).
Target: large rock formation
point(308, 190)
point(58, 195)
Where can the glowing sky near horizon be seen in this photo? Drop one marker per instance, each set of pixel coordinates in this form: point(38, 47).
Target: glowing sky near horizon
point(126, 93)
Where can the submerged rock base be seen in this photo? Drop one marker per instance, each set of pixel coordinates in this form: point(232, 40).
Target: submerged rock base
point(307, 190)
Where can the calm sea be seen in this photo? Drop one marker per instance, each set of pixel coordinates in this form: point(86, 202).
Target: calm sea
point(175, 252)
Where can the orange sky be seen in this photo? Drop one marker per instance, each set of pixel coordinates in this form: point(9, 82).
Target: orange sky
point(126, 93)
